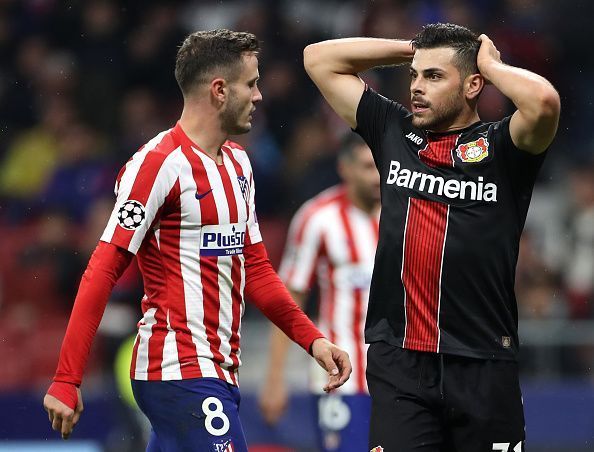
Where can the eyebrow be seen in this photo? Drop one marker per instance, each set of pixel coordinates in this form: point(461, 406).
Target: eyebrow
point(428, 71)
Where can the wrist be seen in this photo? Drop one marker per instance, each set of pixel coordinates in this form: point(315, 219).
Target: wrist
point(65, 393)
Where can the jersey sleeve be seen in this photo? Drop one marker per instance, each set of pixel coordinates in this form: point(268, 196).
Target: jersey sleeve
point(521, 166)
point(302, 250)
point(253, 228)
point(141, 192)
point(374, 112)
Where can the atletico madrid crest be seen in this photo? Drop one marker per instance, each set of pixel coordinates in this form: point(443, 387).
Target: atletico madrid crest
point(225, 446)
point(244, 185)
point(475, 151)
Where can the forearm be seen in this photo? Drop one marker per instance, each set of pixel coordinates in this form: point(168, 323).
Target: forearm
point(105, 267)
point(533, 95)
point(266, 291)
point(354, 55)
point(279, 347)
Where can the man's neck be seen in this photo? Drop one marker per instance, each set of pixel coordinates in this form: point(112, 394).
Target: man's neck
point(203, 127)
point(461, 122)
point(368, 207)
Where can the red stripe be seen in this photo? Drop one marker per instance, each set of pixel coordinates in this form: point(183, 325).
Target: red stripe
point(438, 151)
point(229, 193)
point(425, 234)
point(209, 270)
point(358, 359)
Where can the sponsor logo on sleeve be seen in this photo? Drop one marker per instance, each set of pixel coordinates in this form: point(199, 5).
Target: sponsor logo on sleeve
point(222, 239)
point(473, 152)
point(131, 215)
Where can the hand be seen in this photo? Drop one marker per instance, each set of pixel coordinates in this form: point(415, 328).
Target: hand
point(62, 417)
point(487, 54)
point(334, 360)
point(273, 402)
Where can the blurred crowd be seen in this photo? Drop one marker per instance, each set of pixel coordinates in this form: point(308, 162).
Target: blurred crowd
point(84, 84)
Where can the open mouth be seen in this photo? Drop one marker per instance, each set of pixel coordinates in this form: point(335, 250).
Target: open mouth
point(419, 106)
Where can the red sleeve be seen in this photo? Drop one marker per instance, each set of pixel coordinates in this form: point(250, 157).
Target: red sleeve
point(106, 265)
point(265, 289)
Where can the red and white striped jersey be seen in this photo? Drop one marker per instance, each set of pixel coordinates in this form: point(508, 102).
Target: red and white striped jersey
point(187, 219)
point(332, 241)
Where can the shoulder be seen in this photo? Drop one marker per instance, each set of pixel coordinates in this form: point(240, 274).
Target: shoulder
point(162, 150)
point(238, 153)
point(318, 208)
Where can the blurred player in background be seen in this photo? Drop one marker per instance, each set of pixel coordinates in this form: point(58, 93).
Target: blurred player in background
point(185, 207)
point(442, 318)
point(332, 242)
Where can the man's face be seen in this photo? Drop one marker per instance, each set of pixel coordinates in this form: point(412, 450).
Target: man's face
point(436, 92)
point(359, 172)
point(236, 116)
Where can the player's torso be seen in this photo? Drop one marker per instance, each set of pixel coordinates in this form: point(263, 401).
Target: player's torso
point(448, 242)
point(193, 270)
point(343, 273)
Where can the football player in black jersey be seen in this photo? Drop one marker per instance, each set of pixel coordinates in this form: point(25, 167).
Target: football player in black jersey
point(442, 317)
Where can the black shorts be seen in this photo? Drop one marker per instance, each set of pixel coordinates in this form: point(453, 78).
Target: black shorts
point(442, 403)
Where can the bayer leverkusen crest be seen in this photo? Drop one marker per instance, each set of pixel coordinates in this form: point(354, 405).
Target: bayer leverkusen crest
point(475, 151)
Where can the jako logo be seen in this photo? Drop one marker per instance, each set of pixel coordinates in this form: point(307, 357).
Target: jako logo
point(415, 138)
point(451, 188)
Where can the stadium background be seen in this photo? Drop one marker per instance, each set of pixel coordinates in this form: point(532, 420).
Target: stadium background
point(84, 84)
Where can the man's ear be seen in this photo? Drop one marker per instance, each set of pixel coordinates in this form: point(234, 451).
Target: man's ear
point(219, 89)
point(473, 85)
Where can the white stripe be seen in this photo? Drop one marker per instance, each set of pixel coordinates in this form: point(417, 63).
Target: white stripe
point(224, 264)
point(402, 271)
point(190, 268)
point(145, 331)
point(440, 271)
point(170, 362)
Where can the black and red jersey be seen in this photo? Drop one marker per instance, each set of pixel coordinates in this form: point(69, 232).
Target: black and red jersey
point(453, 209)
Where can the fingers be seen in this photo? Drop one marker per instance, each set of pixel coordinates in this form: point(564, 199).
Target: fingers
point(62, 418)
point(67, 426)
point(343, 371)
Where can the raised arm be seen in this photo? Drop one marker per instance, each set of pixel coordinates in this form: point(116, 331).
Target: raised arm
point(333, 66)
point(534, 124)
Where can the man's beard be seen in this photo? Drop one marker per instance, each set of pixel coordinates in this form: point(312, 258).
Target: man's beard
point(230, 117)
point(443, 116)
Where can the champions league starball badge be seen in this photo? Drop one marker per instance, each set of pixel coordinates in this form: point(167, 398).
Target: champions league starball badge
point(131, 215)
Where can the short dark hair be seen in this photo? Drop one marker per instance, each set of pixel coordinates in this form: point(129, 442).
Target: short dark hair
point(464, 41)
point(348, 144)
point(203, 51)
